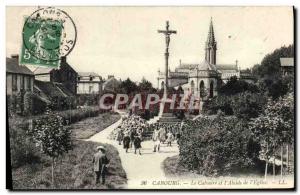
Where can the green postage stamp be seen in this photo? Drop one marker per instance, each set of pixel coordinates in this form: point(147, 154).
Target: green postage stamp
point(48, 35)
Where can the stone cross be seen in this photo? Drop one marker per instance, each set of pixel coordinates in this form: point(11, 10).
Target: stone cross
point(167, 34)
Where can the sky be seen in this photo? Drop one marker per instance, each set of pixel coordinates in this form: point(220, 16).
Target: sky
point(123, 41)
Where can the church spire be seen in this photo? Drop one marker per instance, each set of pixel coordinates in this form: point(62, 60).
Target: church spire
point(211, 34)
point(211, 45)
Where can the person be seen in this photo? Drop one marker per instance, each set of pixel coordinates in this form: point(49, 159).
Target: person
point(155, 139)
point(126, 141)
point(120, 135)
point(162, 135)
point(100, 161)
point(132, 135)
point(137, 143)
point(170, 138)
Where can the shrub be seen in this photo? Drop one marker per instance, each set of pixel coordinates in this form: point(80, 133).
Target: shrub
point(28, 103)
point(217, 146)
point(22, 149)
point(248, 105)
point(38, 105)
point(242, 105)
point(234, 86)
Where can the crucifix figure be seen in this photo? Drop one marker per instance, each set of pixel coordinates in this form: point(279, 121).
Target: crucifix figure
point(167, 34)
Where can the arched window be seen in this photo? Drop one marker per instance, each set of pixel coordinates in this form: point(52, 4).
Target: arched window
point(211, 89)
point(202, 89)
point(192, 86)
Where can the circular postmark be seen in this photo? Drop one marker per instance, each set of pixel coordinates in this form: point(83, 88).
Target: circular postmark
point(49, 34)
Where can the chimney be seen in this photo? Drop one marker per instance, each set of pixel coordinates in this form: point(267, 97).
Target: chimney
point(63, 60)
point(15, 56)
point(110, 76)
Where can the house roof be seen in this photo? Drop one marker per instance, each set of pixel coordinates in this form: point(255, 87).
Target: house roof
point(88, 74)
point(287, 61)
point(51, 89)
point(12, 66)
point(42, 70)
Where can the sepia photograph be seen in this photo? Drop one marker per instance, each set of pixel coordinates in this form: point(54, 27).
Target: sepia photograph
point(150, 98)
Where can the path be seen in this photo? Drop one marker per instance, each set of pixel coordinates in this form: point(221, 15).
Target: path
point(139, 167)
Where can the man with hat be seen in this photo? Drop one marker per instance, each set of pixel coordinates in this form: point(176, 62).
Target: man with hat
point(100, 161)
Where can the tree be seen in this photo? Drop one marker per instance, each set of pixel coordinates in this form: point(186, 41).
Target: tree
point(274, 127)
point(145, 85)
point(51, 136)
point(128, 87)
point(270, 65)
point(234, 86)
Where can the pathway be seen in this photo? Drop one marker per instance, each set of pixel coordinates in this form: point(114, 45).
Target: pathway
point(145, 167)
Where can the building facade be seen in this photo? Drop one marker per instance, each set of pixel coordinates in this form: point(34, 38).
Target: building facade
point(89, 83)
point(202, 79)
point(18, 77)
point(287, 66)
point(66, 75)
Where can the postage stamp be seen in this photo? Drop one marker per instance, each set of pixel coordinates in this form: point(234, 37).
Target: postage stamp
point(48, 34)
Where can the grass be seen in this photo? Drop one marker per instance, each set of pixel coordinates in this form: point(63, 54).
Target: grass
point(90, 126)
point(172, 169)
point(73, 171)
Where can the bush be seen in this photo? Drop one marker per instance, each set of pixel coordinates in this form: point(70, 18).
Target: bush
point(217, 146)
point(22, 149)
point(38, 105)
point(242, 105)
point(234, 86)
point(28, 103)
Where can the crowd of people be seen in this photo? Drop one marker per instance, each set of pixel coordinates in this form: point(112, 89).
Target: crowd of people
point(130, 132)
point(133, 130)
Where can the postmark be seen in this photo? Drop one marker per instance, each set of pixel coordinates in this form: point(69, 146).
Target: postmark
point(48, 34)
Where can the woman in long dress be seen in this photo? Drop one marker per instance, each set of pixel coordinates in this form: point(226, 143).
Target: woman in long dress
point(137, 143)
point(126, 141)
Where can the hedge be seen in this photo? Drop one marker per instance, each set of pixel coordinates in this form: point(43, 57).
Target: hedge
point(217, 146)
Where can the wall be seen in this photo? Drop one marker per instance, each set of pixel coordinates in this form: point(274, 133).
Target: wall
point(83, 88)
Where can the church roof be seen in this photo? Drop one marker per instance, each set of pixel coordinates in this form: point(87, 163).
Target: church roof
point(226, 67)
point(187, 66)
point(205, 65)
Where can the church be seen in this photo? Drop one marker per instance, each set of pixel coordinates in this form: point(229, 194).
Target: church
point(203, 79)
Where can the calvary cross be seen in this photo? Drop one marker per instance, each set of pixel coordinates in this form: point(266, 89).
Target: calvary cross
point(167, 33)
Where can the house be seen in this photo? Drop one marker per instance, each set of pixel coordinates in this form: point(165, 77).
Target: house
point(66, 75)
point(42, 73)
point(89, 83)
point(18, 77)
point(287, 66)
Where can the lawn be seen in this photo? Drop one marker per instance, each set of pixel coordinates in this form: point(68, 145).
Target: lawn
point(73, 171)
point(90, 126)
point(173, 170)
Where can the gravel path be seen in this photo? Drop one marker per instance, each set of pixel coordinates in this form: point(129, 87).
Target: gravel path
point(145, 167)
